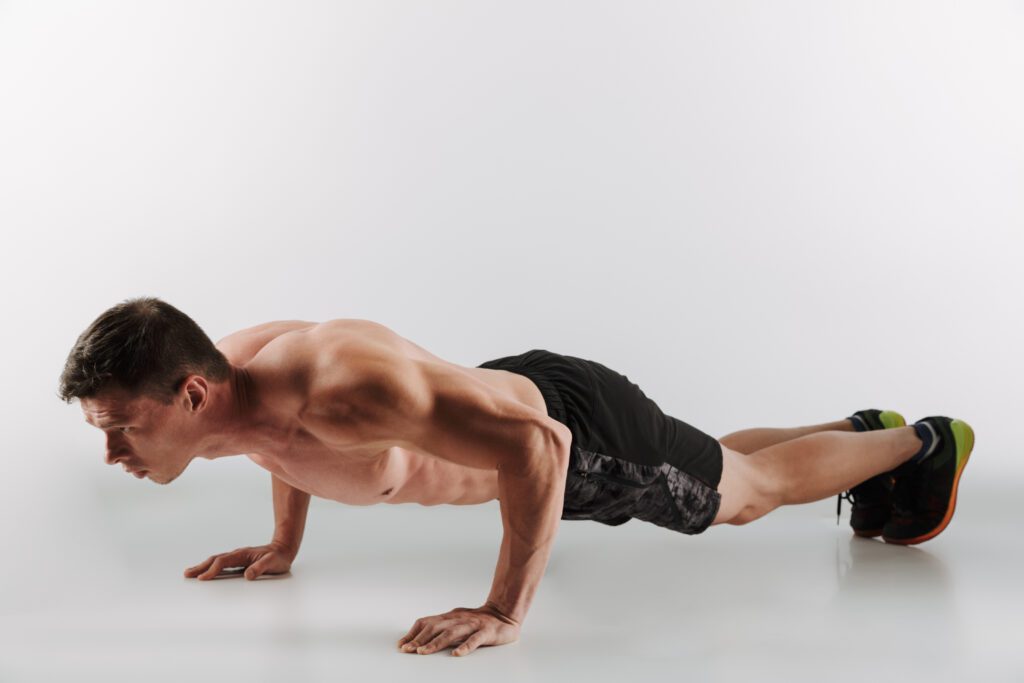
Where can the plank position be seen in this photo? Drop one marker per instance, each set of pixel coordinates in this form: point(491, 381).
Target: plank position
point(349, 410)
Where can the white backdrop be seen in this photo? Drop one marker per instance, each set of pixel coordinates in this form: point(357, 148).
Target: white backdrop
point(765, 213)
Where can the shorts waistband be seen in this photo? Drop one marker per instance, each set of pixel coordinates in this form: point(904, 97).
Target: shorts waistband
point(552, 399)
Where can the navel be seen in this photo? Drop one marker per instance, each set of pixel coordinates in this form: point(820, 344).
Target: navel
point(388, 491)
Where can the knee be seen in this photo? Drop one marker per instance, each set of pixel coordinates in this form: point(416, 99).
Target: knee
point(751, 512)
point(765, 493)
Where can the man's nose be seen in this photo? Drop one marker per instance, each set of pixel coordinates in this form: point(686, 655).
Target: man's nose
point(114, 459)
point(115, 453)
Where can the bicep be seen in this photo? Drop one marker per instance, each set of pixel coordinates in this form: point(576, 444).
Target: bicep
point(468, 421)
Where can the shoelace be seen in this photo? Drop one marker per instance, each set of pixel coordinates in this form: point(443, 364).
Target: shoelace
point(849, 496)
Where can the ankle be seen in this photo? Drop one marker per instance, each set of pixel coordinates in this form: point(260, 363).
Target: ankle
point(911, 442)
point(929, 439)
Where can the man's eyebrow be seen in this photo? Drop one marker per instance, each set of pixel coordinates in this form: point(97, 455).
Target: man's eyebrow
point(108, 423)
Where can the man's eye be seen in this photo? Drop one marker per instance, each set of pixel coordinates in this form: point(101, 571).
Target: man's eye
point(124, 429)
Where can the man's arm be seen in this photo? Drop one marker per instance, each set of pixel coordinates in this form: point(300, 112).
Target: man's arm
point(531, 507)
point(450, 414)
point(290, 507)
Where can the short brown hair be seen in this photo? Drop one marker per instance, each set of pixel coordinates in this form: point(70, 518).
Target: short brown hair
point(142, 345)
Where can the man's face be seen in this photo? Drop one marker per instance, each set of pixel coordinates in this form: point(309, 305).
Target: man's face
point(142, 435)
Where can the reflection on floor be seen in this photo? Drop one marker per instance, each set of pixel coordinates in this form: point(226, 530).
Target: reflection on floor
point(791, 597)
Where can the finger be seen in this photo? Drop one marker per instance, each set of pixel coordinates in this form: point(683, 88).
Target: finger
point(232, 559)
point(195, 569)
point(257, 568)
point(416, 640)
point(449, 628)
point(212, 570)
point(424, 635)
point(417, 626)
point(473, 642)
point(443, 639)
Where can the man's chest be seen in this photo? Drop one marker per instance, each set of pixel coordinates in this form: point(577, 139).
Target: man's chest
point(353, 478)
point(394, 475)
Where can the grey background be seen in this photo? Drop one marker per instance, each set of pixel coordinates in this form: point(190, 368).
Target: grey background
point(765, 213)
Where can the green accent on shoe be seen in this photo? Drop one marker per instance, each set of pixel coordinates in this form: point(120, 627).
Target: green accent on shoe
point(891, 419)
point(964, 436)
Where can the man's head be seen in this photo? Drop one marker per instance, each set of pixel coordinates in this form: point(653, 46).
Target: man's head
point(142, 372)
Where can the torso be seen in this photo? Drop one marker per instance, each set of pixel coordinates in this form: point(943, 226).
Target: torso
point(370, 476)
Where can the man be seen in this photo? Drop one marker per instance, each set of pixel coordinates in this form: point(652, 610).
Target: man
point(351, 411)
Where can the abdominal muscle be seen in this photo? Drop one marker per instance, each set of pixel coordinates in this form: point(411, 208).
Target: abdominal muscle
point(395, 475)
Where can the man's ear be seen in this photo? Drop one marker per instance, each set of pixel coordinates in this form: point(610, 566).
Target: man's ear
point(197, 392)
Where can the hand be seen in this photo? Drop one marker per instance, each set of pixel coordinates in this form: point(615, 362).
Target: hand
point(272, 558)
point(464, 627)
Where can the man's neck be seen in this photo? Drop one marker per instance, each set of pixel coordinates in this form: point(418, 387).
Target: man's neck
point(238, 421)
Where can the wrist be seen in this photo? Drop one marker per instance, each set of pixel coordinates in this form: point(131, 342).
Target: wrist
point(285, 547)
point(502, 614)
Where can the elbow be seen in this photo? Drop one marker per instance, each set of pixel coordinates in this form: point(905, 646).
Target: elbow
point(542, 454)
point(562, 438)
point(558, 441)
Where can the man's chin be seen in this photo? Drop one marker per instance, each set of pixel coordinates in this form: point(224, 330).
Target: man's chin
point(161, 481)
point(157, 479)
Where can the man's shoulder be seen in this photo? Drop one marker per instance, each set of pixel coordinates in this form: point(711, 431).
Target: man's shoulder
point(336, 355)
point(343, 380)
point(242, 346)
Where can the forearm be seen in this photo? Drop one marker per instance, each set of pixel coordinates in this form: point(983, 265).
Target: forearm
point(290, 507)
point(531, 507)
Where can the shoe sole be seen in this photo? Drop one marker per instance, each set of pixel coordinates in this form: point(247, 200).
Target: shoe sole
point(867, 533)
point(889, 420)
point(964, 436)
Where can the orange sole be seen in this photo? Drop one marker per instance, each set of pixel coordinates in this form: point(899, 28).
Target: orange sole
point(968, 446)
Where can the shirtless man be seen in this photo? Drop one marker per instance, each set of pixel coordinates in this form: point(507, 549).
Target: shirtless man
point(349, 410)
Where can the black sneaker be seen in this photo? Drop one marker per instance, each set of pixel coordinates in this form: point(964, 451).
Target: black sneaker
point(924, 497)
point(870, 499)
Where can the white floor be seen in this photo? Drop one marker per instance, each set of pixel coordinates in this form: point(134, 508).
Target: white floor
point(99, 595)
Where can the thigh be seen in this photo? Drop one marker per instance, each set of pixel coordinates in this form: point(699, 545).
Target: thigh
point(738, 486)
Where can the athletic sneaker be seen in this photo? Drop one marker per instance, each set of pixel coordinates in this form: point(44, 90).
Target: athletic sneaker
point(924, 496)
point(870, 498)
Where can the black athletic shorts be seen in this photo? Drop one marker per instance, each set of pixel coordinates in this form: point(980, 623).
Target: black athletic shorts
point(628, 458)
